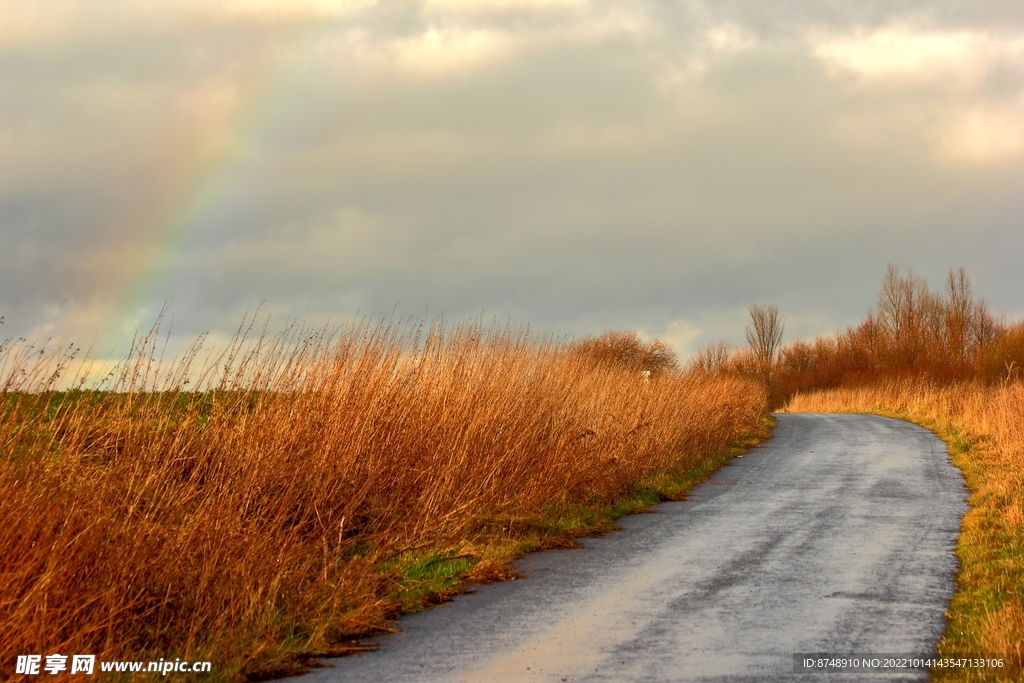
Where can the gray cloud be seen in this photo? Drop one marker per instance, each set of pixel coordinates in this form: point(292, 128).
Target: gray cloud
point(579, 167)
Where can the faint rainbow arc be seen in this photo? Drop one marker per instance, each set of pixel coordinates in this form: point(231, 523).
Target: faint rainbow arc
point(203, 175)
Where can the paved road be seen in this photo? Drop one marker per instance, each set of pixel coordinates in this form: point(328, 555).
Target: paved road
point(836, 535)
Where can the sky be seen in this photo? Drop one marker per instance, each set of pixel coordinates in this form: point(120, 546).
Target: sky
point(574, 165)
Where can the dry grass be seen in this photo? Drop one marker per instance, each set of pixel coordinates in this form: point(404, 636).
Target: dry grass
point(279, 496)
point(984, 427)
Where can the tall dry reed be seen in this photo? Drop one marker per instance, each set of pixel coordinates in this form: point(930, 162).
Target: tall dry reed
point(239, 506)
point(984, 426)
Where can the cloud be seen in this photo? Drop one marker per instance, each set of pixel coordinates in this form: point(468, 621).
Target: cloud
point(903, 52)
point(275, 10)
point(485, 7)
point(446, 50)
point(987, 133)
point(455, 39)
point(580, 165)
point(729, 38)
point(964, 87)
point(681, 336)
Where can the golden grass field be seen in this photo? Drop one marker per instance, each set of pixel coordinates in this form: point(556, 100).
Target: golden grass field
point(290, 492)
point(285, 494)
point(984, 427)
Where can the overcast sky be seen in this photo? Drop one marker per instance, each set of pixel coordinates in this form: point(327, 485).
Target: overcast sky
point(577, 165)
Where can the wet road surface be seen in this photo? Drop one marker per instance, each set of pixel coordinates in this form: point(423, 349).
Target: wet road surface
point(836, 535)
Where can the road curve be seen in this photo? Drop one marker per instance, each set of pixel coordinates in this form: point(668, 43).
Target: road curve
point(836, 535)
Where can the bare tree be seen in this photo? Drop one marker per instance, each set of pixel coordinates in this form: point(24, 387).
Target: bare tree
point(960, 308)
point(902, 302)
point(892, 301)
point(712, 358)
point(764, 333)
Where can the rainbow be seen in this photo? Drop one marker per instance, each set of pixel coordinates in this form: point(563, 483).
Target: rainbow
point(208, 168)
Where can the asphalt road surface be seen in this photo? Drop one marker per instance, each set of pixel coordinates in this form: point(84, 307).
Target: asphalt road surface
point(835, 536)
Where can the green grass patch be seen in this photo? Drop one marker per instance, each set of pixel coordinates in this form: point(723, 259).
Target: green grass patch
point(426, 578)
